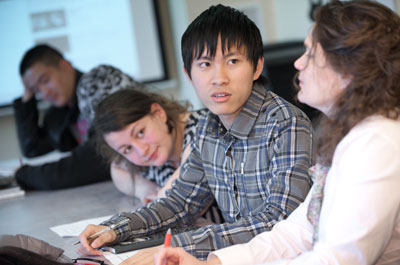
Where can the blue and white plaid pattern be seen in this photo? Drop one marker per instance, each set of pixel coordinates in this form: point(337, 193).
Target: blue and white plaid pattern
point(257, 171)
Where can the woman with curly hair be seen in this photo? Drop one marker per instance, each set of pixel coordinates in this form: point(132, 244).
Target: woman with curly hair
point(350, 71)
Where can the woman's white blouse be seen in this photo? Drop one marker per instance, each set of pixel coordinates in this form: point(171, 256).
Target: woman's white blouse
point(360, 220)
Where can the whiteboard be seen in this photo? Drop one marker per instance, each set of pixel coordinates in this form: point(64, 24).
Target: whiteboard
point(123, 33)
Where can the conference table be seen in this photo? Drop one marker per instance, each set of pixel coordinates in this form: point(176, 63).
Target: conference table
point(37, 211)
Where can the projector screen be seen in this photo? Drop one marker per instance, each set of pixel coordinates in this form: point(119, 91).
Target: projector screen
point(123, 33)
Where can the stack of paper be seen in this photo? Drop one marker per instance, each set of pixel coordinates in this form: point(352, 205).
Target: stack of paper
point(9, 188)
point(11, 193)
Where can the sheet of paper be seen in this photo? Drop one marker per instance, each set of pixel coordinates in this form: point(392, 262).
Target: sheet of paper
point(74, 229)
point(116, 259)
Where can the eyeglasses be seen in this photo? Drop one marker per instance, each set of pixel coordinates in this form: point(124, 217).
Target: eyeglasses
point(87, 261)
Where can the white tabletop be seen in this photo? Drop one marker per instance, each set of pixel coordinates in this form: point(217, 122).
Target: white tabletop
point(37, 211)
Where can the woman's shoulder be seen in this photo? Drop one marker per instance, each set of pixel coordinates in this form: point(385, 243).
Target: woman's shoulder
point(376, 130)
point(379, 125)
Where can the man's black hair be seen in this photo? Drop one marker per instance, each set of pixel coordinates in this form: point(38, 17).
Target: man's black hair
point(41, 53)
point(232, 25)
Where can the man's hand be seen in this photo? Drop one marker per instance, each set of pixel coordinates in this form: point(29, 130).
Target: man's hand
point(143, 257)
point(28, 94)
point(178, 256)
point(88, 247)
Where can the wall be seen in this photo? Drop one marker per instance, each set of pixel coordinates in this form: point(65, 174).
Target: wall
point(9, 147)
point(278, 20)
point(263, 11)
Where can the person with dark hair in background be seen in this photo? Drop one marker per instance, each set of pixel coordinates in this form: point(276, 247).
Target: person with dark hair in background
point(65, 126)
point(250, 153)
point(350, 71)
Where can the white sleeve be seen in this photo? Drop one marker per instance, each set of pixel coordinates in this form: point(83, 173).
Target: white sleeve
point(361, 202)
point(287, 239)
point(359, 214)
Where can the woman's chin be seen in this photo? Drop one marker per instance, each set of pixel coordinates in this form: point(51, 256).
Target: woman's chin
point(159, 162)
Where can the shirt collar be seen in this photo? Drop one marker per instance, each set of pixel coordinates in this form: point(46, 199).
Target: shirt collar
point(246, 118)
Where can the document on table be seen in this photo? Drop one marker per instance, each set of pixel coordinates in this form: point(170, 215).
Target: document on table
point(74, 229)
point(116, 259)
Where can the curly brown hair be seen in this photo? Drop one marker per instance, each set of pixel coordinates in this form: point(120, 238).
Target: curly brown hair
point(360, 39)
point(124, 107)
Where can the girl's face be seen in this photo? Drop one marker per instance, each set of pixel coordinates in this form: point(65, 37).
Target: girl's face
point(319, 84)
point(145, 142)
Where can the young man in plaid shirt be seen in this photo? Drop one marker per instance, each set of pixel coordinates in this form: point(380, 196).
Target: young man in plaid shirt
point(250, 154)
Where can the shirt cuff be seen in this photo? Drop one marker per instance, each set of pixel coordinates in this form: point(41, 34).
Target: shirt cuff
point(212, 256)
point(122, 232)
point(184, 240)
point(232, 255)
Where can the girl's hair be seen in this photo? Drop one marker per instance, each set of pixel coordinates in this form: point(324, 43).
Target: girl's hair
point(361, 40)
point(124, 107)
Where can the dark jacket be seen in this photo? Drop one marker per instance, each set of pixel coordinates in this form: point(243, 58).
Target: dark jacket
point(56, 132)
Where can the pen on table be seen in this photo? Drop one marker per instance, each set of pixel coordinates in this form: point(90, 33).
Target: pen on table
point(96, 234)
point(111, 227)
point(167, 242)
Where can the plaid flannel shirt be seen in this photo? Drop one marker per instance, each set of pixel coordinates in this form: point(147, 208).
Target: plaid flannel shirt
point(257, 171)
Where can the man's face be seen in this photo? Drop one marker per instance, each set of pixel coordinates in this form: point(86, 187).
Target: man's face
point(224, 83)
point(53, 84)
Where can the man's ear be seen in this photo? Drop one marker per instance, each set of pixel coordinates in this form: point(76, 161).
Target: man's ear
point(64, 65)
point(157, 111)
point(259, 68)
